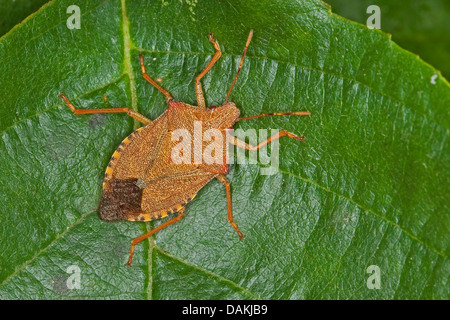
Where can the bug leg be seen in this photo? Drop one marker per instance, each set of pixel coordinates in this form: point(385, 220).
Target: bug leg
point(139, 117)
point(246, 146)
point(240, 65)
point(152, 232)
point(225, 182)
point(198, 85)
point(151, 81)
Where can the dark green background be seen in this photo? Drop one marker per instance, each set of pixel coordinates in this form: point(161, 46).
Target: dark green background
point(420, 26)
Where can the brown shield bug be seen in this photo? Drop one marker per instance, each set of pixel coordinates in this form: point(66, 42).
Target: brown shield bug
point(143, 183)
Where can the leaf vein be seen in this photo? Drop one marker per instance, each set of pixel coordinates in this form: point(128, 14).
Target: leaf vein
point(223, 279)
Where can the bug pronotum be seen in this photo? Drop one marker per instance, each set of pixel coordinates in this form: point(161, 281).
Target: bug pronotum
point(142, 183)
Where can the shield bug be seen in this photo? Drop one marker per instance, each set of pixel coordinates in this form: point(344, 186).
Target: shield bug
point(143, 183)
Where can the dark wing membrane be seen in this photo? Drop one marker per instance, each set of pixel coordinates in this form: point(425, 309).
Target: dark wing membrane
point(121, 200)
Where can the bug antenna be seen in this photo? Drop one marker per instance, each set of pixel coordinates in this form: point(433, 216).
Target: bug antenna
point(240, 64)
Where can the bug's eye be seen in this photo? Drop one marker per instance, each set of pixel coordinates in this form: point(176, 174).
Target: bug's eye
point(212, 108)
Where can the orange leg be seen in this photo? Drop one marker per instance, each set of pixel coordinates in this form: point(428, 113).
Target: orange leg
point(240, 65)
point(139, 117)
point(198, 85)
point(225, 182)
point(151, 81)
point(282, 133)
point(152, 232)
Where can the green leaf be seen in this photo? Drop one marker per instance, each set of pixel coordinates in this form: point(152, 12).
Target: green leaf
point(369, 186)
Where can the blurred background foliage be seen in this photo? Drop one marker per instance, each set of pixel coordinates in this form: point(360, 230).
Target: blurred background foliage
point(13, 12)
point(419, 26)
